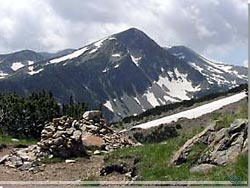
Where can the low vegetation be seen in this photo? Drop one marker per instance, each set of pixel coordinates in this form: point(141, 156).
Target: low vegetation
point(154, 159)
point(154, 163)
point(25, 117)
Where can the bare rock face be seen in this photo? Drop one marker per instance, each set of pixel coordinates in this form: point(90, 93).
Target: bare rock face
point(223, 145)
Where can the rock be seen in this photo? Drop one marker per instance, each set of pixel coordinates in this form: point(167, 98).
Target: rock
point(68, 138)
point(97, 152)
point(2, 159)
point(15, 161)
point(76, 135)
point(49, 128)
point(58, 141)
point(90, 140)
point(69, 131)
point(223, 146)
point(26, 166)
point(202, 168)
point(94, 115)
point(14, 140)
point(70, 161)
point(181, 155)
point(58, 134)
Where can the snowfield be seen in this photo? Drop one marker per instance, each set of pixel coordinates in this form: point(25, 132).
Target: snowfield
point(73, 55)
point(17, 65)
point(195, 112)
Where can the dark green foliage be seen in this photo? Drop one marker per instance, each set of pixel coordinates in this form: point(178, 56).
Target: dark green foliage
point(74, 110)
point(186, 103)
point(25, 117)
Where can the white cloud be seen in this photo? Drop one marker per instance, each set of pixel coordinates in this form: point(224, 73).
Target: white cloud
point(210, 27)
point(245, 63)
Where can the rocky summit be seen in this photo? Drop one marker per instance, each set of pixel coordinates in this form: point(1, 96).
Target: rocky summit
point(221, 146)
point(66, 138)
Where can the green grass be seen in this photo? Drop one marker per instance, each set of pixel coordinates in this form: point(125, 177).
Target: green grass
point(7, 140)
point(155, 162)
point(52, 160)
point(226, 120)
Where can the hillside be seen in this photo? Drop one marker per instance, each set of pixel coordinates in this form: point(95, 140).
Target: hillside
point(152, 160)
point(127, 73)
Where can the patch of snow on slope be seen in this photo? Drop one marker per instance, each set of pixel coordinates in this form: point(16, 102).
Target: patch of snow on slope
point(220, 66)
point(116, 55)
point(105, 70)
point(195, 112)
point(98, 45)
point(196, 67)
point(116, 66)
point(177, 88)
point(151, 98)
point(17, 65)
point(135, 60)
point(93, 51)
point(112, 38)
point(3, 74)
point(32, 72)
point(30, 62)
point(109, 106)
point(69, 56)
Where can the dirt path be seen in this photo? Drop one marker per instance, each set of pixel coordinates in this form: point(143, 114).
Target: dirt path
point(83, 169)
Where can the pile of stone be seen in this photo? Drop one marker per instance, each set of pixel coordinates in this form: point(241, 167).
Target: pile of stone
point(223, 146)
point(66, 138)
point(24, 158)
point(62, 138)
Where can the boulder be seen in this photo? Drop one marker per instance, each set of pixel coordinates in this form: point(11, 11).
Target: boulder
point(202, 168)
point(94, 115)
point(2, 159)
point(223, 146)
point(90, 140)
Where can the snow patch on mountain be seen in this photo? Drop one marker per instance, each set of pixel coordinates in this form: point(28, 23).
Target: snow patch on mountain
point(32, 72)
point(195, 112)
point(3, 74)
point(98, 45)
point(17, 65)
point(108, 105)
point(179, 87)
point(73, 55)
point(135, 60)
point(151, 98)
point(116, 55)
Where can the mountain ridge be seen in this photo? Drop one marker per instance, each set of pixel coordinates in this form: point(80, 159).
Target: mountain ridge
point(127, 72)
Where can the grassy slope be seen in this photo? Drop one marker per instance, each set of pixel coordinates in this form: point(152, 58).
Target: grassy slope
point(155, 158)
point(7, 140)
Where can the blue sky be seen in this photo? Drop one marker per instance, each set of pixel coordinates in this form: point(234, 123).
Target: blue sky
point(215, 28)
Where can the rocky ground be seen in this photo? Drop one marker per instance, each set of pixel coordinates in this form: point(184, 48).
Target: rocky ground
point(96, 140)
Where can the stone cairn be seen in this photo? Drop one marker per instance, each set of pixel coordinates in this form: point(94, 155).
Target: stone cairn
point(66, 138)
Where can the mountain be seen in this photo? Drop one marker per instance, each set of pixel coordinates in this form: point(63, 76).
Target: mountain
point(216, 73)
point(48, 55)
point(10, 63)
point(128, 73)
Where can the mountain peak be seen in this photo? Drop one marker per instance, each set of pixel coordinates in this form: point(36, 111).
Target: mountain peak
point(136, 39)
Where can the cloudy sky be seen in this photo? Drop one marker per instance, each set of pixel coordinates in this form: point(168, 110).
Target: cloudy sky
point(214, 28)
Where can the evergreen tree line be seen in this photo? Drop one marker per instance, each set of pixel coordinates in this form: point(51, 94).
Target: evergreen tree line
point(186, 103)
point(22, 117)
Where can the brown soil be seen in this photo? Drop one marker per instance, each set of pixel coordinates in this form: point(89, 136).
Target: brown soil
point(60, 171)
